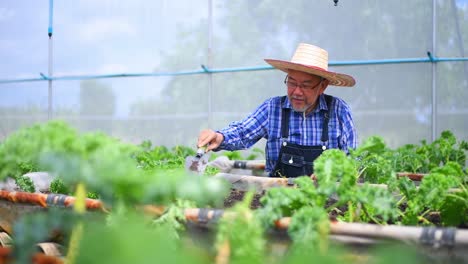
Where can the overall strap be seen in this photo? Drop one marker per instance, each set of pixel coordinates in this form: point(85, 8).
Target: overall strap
point(326, 117)
point(284, 119)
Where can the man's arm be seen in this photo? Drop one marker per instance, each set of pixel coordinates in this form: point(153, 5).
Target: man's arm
point(240, 134)
point(349, 135)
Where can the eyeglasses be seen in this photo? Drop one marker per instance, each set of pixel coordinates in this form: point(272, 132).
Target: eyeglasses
point(292, 84)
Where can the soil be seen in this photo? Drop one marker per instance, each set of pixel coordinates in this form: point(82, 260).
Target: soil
point(237, 196)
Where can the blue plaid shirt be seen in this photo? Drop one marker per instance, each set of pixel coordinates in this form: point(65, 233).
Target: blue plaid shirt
point(265, 122)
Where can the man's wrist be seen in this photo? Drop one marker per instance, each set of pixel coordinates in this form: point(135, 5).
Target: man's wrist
point(220, 138)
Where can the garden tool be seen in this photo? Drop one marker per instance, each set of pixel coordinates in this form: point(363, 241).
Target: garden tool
point(198, 163)
point(224, 164)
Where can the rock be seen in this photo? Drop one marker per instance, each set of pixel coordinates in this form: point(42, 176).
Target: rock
point(41, 180)
point(9, 184)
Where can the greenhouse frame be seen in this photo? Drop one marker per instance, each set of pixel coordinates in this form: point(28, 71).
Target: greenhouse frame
point(162, 71)
point(196, 132)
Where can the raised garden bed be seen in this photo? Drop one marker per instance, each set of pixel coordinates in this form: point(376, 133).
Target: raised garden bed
point(356, 200)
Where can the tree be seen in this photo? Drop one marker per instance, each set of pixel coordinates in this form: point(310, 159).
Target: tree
point(97, 105)
point(245, 32)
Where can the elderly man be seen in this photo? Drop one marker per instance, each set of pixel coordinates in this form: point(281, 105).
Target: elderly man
point(298, 127)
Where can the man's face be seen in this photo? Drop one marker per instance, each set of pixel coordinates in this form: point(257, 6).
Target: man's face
point(304, 98)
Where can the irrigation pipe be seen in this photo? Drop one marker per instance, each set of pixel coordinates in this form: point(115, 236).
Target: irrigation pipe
point(429, 236)
point(205, 70)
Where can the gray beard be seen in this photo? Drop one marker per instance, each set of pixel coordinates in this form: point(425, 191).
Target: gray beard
point(301, 110)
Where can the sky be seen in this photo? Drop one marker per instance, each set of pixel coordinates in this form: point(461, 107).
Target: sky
point(89, 38)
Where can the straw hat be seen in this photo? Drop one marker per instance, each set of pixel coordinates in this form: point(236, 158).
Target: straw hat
point(314, 60)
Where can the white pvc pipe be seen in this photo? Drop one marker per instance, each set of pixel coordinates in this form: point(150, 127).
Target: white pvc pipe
point(210, 63)
point(434, 70)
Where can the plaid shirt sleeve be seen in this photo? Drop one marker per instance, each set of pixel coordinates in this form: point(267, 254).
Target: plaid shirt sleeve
point(245, 133)
point(348, 139)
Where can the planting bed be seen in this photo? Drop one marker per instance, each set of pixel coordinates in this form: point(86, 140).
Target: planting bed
point(151, 208)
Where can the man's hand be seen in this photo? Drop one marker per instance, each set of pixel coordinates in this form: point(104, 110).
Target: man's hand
point(209, 138)
point(313, 178)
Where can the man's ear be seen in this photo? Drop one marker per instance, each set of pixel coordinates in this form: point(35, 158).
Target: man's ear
point(324, 85)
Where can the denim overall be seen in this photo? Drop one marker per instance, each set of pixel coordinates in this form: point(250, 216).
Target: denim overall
point(294, 159)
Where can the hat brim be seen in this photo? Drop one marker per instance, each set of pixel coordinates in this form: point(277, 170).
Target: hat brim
point(336, 79)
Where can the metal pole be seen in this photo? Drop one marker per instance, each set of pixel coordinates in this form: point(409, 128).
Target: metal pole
point(434, 70)
point(210, 63)
point(459, 35)
point(50, 70)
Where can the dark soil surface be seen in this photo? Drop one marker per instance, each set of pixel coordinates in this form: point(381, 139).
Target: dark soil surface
point(237, 196)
